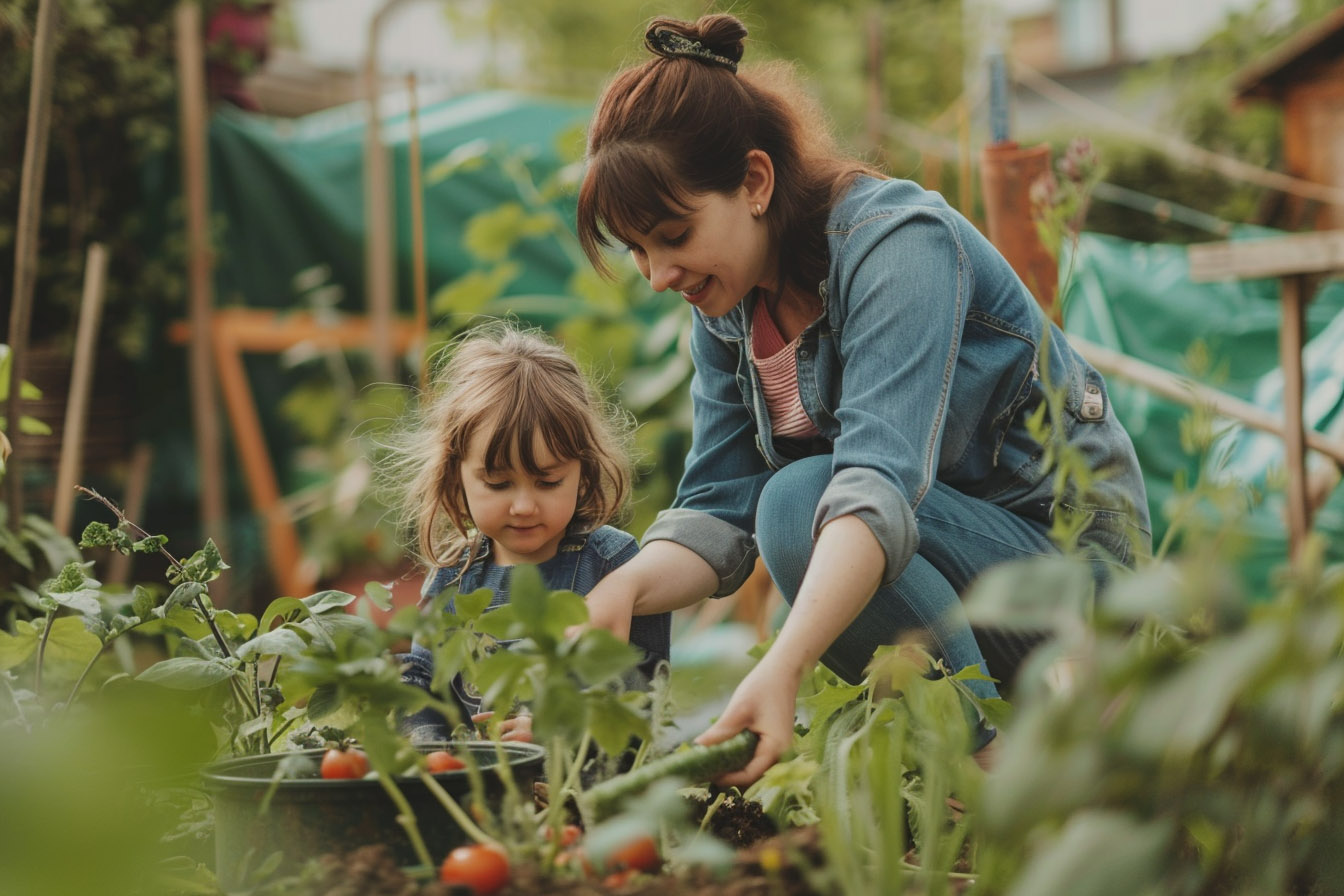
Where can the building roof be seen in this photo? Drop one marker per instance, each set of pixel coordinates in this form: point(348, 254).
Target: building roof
point(1280, 68)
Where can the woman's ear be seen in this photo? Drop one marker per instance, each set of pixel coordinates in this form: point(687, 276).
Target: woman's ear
point(759, 184)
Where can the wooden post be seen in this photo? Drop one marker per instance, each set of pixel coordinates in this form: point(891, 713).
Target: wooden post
point(200, 261)
point(1007, 172)
point(81, 381)
point(380, 273)
point(1289, 258)
point(31, 180)
point(1291, 339)
point(239, 330)
point(418, 262)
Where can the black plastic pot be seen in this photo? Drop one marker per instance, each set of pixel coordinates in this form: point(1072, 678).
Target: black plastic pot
point(309, 816)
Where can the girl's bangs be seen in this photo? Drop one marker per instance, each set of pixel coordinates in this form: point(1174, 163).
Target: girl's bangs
point(512, 441)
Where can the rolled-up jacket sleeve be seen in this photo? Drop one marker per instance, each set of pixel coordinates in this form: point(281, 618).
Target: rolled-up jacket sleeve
point(715, 509)
point(864, 493)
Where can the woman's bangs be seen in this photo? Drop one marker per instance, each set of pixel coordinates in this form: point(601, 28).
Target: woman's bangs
point(634, 193)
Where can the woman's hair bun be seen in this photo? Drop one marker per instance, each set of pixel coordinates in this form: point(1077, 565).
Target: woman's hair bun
point(714, 39)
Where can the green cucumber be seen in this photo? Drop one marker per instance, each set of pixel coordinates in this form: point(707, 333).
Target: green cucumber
point(694, 764)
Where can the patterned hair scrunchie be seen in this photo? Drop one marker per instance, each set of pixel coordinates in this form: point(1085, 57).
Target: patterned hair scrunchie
point(668, 43)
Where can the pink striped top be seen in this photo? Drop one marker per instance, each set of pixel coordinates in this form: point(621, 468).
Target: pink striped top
point(777, 364)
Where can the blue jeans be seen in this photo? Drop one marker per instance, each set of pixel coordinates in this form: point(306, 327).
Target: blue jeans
point(959, 537)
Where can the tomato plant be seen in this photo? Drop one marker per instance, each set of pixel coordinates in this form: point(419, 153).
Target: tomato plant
point(482, 868)
point(443, 761)
point(347, 762)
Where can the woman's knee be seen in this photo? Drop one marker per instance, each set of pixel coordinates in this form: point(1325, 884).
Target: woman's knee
point(784, 517)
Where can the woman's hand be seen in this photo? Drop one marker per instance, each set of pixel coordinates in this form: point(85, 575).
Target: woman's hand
point(764, 702)
point(846, 567)
point(515, 728)
point(610, 606)
point(662, 577)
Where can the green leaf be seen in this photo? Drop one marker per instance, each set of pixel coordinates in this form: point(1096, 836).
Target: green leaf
point(502, 678)
point(475, 290)
point(283, 641)
point(1036, 594)
point(101, 535)
point(490, 235)
point(150, 544)
point(324, 701)
point(1099, 853)
point(471, 606)
point(203, 566)
point(183, 595)
point(528, 597)
point(1178, 716)
point(559, 711)
point(16, 648)
point(379, 595)
point(599, 657)
point(142, 601)
point(328, 600)
point(185, 673)
point(614, 722)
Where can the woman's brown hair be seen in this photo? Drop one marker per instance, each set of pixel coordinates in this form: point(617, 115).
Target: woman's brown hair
point(682, 123)
point(517, 385)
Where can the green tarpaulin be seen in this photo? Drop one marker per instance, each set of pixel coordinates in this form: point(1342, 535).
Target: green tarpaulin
point(1138, 298)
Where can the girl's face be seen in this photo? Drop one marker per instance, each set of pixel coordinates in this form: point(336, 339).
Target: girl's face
point(718, 251)
point(524, 515)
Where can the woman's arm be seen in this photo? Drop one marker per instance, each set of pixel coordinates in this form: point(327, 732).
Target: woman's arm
point(663, 576)
point(846, 568)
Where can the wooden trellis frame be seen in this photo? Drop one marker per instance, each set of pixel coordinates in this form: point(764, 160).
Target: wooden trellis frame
point(1292, 259)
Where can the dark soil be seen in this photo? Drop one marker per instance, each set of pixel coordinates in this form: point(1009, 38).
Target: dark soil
point(766, 865)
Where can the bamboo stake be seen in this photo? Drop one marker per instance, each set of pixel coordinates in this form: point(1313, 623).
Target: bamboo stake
point(1291, 336)
point(26, 238)
point(418, 261)
point(1168, 385)
point(81, 381)
point(204, 407)
point(379, 237)
point(137, 486)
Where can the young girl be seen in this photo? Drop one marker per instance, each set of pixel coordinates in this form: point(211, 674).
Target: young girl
point(515, 460)
point(866, 365)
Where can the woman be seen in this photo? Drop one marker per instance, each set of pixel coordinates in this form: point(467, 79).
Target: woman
point(865, 367)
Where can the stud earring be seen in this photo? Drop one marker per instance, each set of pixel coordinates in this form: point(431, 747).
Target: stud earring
point(756, 210)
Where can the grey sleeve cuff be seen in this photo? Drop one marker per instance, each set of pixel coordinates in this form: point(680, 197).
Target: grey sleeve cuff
point(875, 500)
point(730, 551)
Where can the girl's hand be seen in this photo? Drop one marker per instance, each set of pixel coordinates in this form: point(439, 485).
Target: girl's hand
point(515, 728)
point(764, 702)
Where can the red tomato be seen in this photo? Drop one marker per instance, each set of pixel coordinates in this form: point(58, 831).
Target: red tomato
point(443, 761)
point(484, 869)
point(641, 854)
point(569, 834)
point(574, 858)
point(349, 763)
point(617, 879)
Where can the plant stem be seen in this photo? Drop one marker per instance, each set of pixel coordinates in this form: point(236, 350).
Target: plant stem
point(406, 818)
point(456, 811)
point(85, 674)
point(177, 564)
point(41, 650)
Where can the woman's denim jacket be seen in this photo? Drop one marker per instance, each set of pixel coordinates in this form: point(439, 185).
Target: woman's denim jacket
point(581, 561)
point(923, 366)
